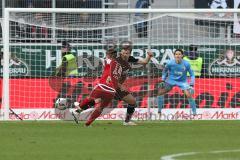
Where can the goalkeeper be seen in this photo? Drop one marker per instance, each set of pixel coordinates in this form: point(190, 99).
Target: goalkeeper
point(175, 74)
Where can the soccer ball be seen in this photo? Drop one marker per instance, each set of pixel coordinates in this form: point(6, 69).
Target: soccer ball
point(61, 103)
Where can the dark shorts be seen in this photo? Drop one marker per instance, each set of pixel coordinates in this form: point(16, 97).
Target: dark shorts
point(120, 94)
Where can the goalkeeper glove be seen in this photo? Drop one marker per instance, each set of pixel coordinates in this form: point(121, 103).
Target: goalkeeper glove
point(162, 84)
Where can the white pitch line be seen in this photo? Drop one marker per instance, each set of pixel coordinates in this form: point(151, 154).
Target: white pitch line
point(173, 156)
point(236, 150)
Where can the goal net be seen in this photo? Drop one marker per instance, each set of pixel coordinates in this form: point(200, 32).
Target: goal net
point(32, 52)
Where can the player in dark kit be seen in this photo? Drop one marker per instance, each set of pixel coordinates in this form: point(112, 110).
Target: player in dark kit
point(125, 59)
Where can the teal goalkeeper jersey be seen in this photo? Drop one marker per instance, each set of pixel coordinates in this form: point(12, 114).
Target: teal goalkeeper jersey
point(178, 72)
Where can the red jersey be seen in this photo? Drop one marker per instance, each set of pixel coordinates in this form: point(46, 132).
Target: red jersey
point(106, 71)
point(111, 73)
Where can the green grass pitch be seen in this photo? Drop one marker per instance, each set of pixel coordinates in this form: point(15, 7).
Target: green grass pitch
point(110, 140)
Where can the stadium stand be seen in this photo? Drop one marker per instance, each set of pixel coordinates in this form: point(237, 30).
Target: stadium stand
point(40, 20)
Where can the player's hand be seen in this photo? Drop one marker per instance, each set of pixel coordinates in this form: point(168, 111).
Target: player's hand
point(162, 84)
point(150, 54)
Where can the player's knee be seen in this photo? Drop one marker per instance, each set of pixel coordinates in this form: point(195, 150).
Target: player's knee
point(161, 92)
point(188, 95)
point(132, 102)
point(163, 88)
point(131, 109)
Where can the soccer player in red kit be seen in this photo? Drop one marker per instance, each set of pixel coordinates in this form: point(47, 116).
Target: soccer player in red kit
point(104, 91)
point(124, 60)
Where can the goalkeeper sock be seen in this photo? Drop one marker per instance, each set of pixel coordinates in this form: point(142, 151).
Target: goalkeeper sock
point(87, 103)
point(160, 102)
point(192, 105)
point(96, 113)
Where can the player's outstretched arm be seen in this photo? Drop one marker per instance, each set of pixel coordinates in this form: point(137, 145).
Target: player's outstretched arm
point(165, 72)
point(147, 59)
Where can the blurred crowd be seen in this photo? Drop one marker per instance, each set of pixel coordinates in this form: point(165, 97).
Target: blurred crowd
point(36, 27)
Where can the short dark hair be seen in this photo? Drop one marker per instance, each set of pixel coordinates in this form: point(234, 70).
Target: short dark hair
point(193, 47)
point(112, 52)
point(126, 45)
point(65, 44)
point(178, 50)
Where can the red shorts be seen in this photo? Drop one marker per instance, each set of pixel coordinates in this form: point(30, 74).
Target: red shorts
point(106, 94)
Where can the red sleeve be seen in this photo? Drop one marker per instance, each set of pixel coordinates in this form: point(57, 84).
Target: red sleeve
point(115, 72)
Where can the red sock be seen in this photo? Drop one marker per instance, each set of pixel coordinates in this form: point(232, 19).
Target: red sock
point(96, 113)
point(87, 103)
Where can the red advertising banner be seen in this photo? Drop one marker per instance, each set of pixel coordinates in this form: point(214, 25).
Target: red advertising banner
point(209, 93)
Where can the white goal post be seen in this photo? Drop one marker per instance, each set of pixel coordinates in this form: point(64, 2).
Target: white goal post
point(174, 24)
